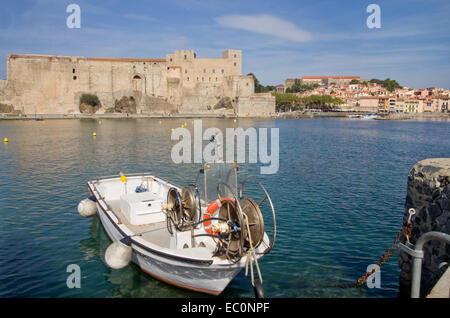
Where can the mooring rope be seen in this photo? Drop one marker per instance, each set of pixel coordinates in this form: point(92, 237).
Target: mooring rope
point(251, 255)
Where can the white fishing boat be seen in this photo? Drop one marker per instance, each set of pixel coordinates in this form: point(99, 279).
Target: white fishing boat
point(197, 237)
point(369, 117)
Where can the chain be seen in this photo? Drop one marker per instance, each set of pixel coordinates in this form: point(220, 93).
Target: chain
point(406, 231)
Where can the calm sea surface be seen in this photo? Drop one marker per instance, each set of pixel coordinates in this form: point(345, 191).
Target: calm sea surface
point(339, 196)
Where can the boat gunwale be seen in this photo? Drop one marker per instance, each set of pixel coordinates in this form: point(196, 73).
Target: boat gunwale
point(143, 246)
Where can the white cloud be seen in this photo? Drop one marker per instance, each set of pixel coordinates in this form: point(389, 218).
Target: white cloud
point(265, 24)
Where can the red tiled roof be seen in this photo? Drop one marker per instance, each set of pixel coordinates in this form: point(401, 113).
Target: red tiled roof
point(334, 77)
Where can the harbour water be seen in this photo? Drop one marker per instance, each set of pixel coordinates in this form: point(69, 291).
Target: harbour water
point(339, 196)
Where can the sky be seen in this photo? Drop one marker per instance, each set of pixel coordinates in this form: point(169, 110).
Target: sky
point(279, 39)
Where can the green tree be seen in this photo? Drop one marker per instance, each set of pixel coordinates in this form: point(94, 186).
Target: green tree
point(298, 87)
point(89, 99)
point(258, 87)
point(389, 84)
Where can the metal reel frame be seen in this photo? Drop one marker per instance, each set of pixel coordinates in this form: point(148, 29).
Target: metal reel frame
point(255, 222)
point(266, 197)
point(240, 217)
point(189, 205)
point(176, 215)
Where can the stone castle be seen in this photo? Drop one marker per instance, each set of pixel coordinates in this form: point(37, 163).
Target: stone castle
point(181, 83)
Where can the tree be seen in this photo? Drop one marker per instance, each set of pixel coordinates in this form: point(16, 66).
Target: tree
point(258, 87)
point(389, 84)
point(354, 81)
point(287, 102)
point(89, 99)
point(291, 102)
point(298, 87)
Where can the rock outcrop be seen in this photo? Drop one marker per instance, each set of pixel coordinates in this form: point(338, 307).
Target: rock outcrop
point(89, 109)
point(224, 102)
point(127, 104)
point(428, 192)
point(8, 109)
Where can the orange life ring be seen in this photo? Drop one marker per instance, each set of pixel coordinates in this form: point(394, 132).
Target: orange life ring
point(210, 211)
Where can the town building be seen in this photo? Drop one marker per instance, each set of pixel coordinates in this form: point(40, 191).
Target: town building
point(328, 80)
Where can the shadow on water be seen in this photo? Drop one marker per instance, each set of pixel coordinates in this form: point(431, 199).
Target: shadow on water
point(129, 282)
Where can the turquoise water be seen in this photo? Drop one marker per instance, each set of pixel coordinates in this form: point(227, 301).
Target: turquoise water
point(339, 195)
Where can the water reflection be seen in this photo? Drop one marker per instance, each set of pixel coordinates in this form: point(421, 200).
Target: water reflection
point(339, 196)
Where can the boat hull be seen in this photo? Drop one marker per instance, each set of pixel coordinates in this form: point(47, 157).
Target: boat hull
point(198, 276)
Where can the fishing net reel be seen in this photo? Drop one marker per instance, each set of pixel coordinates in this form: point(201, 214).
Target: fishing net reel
point(182, 209)
point(245, 224)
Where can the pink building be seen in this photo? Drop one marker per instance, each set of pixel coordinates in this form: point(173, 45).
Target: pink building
point(368, 104)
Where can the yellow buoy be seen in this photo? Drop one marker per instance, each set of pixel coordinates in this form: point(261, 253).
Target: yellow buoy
point(173, 129)
point(5, 140)
point(160, 122)
point(94, 134)
point(185, 124)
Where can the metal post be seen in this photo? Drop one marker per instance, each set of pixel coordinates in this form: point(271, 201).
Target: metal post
point(417, 259)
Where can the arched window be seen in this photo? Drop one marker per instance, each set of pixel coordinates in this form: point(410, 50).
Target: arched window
point(137, 83)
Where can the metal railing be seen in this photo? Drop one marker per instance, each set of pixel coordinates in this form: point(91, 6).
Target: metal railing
point(417, 254)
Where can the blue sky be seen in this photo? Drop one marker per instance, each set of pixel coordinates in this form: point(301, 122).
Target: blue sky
point(279, 39)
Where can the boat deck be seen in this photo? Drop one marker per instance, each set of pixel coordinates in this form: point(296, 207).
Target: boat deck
point(155, 233)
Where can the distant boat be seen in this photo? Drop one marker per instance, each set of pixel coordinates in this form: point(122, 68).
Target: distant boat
point(363, 117)
point(369, 117)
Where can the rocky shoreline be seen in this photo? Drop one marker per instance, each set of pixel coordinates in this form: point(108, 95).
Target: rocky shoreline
point(290, 115)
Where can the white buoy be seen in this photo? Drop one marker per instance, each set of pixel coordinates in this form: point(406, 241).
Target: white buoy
point(87, 208)
point(118, 255)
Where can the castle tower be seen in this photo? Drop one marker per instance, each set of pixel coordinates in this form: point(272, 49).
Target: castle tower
point(236, 60)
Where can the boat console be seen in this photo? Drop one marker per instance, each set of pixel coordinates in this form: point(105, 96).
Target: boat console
point(142, 208)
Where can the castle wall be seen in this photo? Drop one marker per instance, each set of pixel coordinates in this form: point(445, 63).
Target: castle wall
point(3, 84)
point(259, 105)
point(183, 83)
